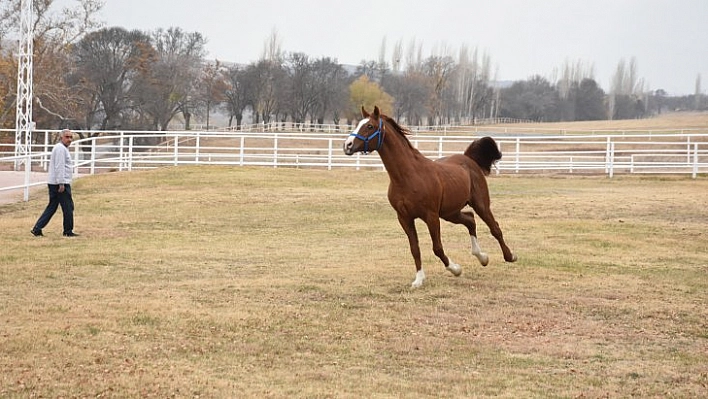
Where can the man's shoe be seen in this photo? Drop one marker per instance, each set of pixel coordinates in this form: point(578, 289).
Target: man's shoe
point(37, 233)
point(70, 234)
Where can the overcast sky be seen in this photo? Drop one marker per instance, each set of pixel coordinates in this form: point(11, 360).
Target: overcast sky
point(667, 38)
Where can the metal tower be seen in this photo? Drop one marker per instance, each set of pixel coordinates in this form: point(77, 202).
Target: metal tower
point(23, 121)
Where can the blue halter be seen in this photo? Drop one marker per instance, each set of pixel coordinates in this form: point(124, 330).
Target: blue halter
point(378, 133)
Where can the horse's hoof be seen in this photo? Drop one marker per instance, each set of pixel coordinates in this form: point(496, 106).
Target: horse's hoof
point(512, 259)
point(455, 269)
point(483, 259)
point(419, 278)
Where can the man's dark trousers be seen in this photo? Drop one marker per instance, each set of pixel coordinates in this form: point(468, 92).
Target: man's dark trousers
point(57, 199)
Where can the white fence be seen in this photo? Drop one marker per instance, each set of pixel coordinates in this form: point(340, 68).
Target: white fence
point(595, 153)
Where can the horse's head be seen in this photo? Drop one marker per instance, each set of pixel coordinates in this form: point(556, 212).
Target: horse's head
point(368, 134)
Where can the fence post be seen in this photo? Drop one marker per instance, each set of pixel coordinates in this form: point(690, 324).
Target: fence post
point(45, 162)
point(176, 151)
point(607, 155)
point(121, 162)
point(28, 169)
point(130, 153)
point(695, 160)
point(275, 150)
point(196, 148)
point(440, 147)
point(243, 142)
point(77, 158)
point(518, 160)
point(93, 158)
point(329, 155)
point(612, 160)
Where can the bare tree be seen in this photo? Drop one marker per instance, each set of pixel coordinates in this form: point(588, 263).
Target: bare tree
point(627, 98)
point(414, 56)
point(54, 30)
point(410, 91)
point(107, 64)
point(303, 87)
point(330, 86)
point(397, 57)
point(212, 87)
point(266, 80)
point(272, 48)
point(237, 96)
point(473, 91)
point(438, 69)
point(171, 79)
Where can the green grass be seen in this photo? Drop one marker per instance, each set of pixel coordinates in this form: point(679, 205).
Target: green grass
point(259, 282)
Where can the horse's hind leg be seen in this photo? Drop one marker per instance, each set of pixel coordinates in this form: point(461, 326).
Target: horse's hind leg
point(433, 222)
point(409, 228)
point(467, 219)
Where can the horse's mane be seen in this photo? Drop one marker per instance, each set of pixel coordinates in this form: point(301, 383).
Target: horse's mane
point(398, 128)
point(484, 152)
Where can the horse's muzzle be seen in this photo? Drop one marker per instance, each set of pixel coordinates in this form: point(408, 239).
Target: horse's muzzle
point(348, 147)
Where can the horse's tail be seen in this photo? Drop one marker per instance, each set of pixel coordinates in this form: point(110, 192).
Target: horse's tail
point(484, 152)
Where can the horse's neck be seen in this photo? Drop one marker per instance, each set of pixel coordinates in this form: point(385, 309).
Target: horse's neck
point(399, 158)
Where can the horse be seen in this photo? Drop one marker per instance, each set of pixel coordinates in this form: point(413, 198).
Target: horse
point(420, 188)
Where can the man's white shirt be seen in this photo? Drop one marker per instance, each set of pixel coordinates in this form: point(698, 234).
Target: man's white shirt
point(60, 168)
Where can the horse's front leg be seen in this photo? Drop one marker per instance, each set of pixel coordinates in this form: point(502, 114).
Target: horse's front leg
point(433, 222)
point(496, 231)
point(408, 225)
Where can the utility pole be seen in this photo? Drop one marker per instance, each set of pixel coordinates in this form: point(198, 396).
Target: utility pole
point(23, 121)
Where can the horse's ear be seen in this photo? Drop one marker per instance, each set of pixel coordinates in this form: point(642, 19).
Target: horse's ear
point(364, 113)
point(377, 113)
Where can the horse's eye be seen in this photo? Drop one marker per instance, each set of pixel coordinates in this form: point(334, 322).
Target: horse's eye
point(370, 126)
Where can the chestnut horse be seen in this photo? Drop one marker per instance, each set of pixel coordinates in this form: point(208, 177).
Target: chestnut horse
point(430, 190)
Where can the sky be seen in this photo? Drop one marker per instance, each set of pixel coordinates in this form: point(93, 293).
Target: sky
point(668, 39)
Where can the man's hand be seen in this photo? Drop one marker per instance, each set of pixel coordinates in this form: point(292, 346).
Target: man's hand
point(61, 188)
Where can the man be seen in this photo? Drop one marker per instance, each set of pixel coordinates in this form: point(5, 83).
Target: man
point(59, 183)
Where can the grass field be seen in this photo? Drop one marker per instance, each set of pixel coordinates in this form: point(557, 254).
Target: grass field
point(668, 121)
point(246, 282)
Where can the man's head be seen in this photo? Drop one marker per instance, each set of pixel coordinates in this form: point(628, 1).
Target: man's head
point(67, 137)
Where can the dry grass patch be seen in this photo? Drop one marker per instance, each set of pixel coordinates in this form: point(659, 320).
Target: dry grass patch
point(674, 121)
point(248, 282)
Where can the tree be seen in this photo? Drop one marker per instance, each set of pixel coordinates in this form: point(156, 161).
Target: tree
point(211, 87)
point(534, 99)
point(363, 92)
point(589, 101)
point(370, 69)
point(698, 95)
point(302, 86)
point(236, 96)
point(626, 93)
point(108, 63)
point(266, 80)
point(55, 31)
point(410, 91)
point(171, 80)
point(330, 87)
point(439, 70)
point(473, 92)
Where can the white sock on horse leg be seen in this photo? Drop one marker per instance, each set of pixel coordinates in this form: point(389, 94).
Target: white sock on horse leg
point(419, 278)
point(476, 251)
point(454, 268)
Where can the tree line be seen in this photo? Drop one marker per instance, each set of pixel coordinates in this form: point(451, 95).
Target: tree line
point(107, 78)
